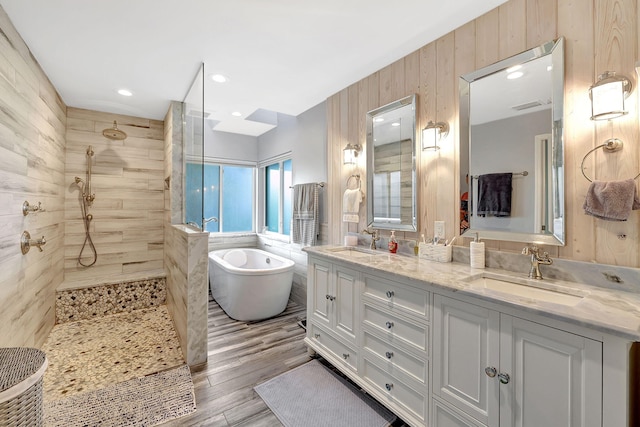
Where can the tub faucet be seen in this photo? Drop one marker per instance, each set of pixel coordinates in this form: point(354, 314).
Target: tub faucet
point(374, 238)
point(536, 260)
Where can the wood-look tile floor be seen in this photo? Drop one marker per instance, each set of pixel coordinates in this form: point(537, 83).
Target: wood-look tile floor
point(242, 355)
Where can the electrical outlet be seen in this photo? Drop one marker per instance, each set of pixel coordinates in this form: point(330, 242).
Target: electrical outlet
point(438, 230)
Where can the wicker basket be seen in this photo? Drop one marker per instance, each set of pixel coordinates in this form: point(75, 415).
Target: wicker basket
point(21, 375)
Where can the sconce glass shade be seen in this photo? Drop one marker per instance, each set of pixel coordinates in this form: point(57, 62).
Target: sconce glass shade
point(350, 154)
point(432, 134)
point(608, 95)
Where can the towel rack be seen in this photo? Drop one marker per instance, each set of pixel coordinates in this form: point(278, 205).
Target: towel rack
point(357, 177)
point(523, 173)
point(609, 146)
point(319, 184)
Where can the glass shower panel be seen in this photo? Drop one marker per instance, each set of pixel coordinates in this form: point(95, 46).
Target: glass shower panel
point(193, 138)
point(211, 197)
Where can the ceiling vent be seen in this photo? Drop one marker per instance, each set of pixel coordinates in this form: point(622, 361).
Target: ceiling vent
point(531, 104)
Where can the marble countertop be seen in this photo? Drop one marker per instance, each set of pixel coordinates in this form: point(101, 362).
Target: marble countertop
point(607, 310)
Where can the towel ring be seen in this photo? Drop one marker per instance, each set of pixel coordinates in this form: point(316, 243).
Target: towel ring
point(609, 146)
point(357, 177)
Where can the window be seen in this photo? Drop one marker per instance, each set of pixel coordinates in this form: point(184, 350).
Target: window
point(277, 199)
point(228, 196)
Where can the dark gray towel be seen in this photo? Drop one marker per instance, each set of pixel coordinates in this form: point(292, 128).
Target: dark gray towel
point(494, 194)
point(612, 200)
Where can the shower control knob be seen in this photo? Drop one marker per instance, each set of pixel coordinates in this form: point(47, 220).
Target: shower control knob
point(390, 294)
point(389, 325)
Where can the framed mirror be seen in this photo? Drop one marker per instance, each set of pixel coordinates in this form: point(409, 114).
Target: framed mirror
point(391, 166)
point(511, 148)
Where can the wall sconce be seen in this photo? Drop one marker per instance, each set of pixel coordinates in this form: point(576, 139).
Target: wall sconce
point(350, 153)
point(608, 95)
point(432, 134)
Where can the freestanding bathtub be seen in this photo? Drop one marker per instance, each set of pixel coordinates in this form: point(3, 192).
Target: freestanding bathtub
point(250, 284)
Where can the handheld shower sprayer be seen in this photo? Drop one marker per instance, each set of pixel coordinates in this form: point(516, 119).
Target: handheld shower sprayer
point(86, 199)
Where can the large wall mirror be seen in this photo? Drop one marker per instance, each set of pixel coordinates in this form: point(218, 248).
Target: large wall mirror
point(511, 145)
point(391, 172)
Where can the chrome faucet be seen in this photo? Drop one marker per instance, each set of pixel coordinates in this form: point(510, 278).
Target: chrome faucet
point(536, 260)
point(374, 238)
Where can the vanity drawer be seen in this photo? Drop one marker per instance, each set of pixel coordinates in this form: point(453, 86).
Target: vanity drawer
point(339, 350)
point(396, 329)
point(394, 358)
point(396, 296)
point(411, 399)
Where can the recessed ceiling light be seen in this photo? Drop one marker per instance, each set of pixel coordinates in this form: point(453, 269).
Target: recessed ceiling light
point(515, 75)
point(395, 124)
point(218, 78)
point(378, 119)
point(125, 92)
point(237, 114)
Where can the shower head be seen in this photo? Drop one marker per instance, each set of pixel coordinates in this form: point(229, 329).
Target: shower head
point(78, 180)
point(114, 133)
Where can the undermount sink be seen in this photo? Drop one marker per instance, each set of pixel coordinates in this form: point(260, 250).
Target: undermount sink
point(535, 290)
point(354, 251)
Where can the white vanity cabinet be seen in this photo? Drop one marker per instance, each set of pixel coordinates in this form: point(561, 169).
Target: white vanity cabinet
point(438, 354)
point(333, 310)
point(495, 369)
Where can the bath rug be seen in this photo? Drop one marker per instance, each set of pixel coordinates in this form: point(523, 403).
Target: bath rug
point(146, 401)
point(311, 395)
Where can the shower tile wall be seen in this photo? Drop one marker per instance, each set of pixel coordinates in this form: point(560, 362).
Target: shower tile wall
point(187, 262)
point(32, 145)
point(128, 182)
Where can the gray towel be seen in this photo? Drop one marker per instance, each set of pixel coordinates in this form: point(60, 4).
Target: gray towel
point(494, 194)
point(611, 201)
point(305, 214)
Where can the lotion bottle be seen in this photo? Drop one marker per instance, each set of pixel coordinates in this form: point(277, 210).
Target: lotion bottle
point(476, 253)
point(393, 243)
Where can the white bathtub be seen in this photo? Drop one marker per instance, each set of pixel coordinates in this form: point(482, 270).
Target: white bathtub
point(250, 284)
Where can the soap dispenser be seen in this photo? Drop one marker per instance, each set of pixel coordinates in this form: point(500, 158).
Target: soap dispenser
point(476, 253)
point(393, 243)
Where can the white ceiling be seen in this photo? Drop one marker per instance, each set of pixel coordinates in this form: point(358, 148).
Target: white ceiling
point(281, 56)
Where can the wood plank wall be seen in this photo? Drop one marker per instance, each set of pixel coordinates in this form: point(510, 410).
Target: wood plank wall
point(32, 142)
point(600, 35)
point(128, 182)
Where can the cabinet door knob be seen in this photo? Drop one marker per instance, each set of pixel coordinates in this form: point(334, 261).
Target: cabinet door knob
point(389, 354)
point(316, 335)
point(504, 378)
point(490, 371)
point(345, 356)
point(389, 325)
point(388, 386)
point(390, 294)
point(327, 297)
